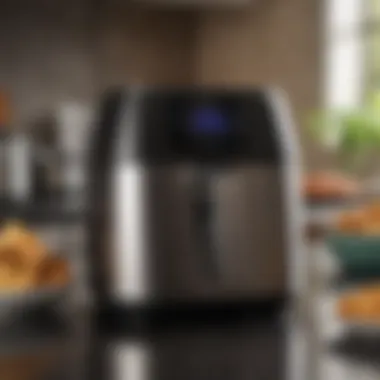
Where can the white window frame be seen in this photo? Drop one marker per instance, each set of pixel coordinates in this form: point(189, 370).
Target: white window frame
point(344, 53)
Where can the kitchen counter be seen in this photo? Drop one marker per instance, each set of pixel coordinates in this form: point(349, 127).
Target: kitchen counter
point(235, 350)
point(239, 349)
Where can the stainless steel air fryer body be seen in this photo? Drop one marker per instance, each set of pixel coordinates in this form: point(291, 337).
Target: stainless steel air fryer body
point(196, 192)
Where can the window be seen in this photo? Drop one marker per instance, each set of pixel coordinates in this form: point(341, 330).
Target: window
point(352, 81)
point(345, 53)
point(371, 41)
point(352, 65)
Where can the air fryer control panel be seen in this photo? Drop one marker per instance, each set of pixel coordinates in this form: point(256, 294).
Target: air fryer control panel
point(209, 127)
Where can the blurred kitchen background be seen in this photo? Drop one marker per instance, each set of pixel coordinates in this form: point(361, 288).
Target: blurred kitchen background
point(59, 56)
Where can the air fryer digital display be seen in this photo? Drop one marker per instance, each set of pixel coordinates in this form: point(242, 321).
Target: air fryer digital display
point(190, 126)
point(207, 121)
point(205, 128)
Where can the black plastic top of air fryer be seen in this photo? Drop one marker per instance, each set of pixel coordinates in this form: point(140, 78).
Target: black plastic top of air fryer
point(192, 125)
point(206, 125)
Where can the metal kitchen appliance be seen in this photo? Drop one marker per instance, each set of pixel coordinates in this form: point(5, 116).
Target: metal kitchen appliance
point(195, 197)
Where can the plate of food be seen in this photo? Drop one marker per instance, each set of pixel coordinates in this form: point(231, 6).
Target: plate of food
point(360, 308)
point(30, 273)
point(329, 187)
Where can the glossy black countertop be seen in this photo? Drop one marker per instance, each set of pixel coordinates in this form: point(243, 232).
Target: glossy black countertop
point(235, 349)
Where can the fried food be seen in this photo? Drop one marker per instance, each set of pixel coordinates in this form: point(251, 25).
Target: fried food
point(353, 221)
point(362, 305)
point(329, 185)
point(364, 221)
point(52, 271)
point(20, 247)
point(13, 280)
point(373, 211)
point(26, 263)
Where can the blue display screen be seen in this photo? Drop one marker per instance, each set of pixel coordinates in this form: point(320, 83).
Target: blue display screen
point(208, 121)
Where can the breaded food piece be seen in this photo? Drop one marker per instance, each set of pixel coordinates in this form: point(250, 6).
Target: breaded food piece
point(373, 211)
point(371, 229)
point(362, 305)
point(20, 248)
point(364, 221)
point(324, 185)
point(11, 280)
point(26, 263)
point(53, 271)
point(352, 222)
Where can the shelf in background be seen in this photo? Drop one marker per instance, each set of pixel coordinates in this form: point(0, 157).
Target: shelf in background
point(321, 215)
point(53, 210)
point(318, 205)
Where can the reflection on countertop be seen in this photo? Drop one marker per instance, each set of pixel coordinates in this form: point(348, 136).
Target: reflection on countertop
point(359, 347)
point(232, 351)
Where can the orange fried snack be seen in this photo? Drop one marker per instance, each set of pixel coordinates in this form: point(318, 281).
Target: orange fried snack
point(364, 221)
point(20, 247)
point(360, 306)
point(324, 185)
point(25, 262)
point(372, 219)
point(352, 222)
point(373, 211)
point(13, 280)
point(52, 271)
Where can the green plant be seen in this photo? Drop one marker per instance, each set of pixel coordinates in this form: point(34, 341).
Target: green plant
point(354, 134)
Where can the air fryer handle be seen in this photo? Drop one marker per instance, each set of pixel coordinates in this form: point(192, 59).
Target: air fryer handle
point(204, 211)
